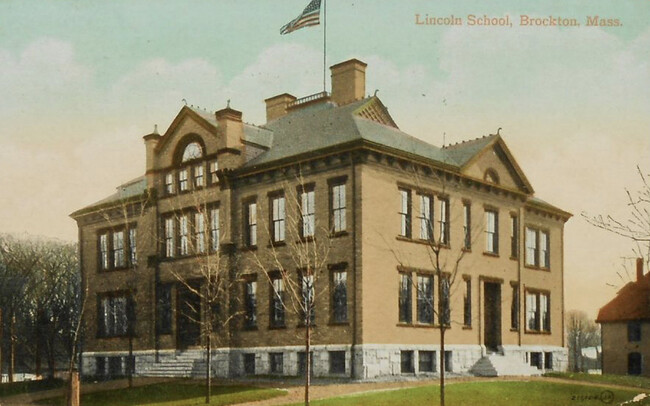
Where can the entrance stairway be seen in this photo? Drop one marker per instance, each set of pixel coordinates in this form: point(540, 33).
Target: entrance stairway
point(181, 365)
point(503, 365)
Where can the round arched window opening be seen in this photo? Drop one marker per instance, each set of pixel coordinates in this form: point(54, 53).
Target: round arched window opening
point(491, 176)
point(192, 151)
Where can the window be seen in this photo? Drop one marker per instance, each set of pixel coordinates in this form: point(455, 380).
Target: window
point(634, 331)
point(427, 361)
point(467, 226)
point(338, 208)
point(449, 365)
point(182, 180)
point(193, 150)
point(100, 366)
point(114, 311)
point(444, 221)
point(406, 362)
point(425, 299)
point(169, 237)
point(169, 183)
point(337, 362)
point(302, 363)
point(249, 364)
point(276, 361)
point(199, 232)
point(214, 229)
point(115, 369)
point(214, 167)
point(250, 305)
point(492, 231)
point(184, 235)
point(536, 359)
point(103, 251)
point(538, 311)
point(634, 363)
point(277, 302)
point(340, 296)
point(164, 318)
point(531, 247)
point(308, 305)
point(250, 218)
point(133, 252)
point(514, 307)
point(307, 210)
point(404, 298)
point(278, 218)
point(405, 213)
point(198, 176)
point(514, 236)
point(118, 250)
point(426, 216)
point(538, 248)
point(467, 303)
point(544, 248)
point(548, 360)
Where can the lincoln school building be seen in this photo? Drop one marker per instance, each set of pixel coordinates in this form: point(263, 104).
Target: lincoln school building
point(331, 171)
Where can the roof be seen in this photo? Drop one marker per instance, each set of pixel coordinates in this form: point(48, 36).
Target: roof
point(134, 187)
point(462, 152)
point(252, 133)
point(631, 303)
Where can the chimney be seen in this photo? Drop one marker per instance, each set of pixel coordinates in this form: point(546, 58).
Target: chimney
point(348, 81)
point(276, 106)
point(150, 143)
point(231, 133)
point(639, 269)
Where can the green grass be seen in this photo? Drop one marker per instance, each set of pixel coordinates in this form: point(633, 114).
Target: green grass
point(172, 394)
point(488, 394)
point(624, 380)
point(17, 388)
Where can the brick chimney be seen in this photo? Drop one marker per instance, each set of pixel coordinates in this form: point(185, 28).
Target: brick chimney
point(150, 143)
point(276, 106)
point(639, 269)
point(231, 133)
point(348, 81)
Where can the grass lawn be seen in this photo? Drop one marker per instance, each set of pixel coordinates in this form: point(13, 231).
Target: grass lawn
point(176, 394)
point(490, 394)
point(625, 380)
point(17, 388)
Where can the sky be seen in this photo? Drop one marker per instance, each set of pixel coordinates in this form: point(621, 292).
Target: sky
point(82, 81)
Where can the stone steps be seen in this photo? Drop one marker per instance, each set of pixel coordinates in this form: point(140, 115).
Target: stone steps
point(182, 365)
point(503, 365)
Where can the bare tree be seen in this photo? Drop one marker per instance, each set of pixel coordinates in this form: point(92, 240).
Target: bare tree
point(582, 332)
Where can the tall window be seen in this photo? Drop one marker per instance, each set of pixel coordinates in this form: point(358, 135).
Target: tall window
point(113, 317)
point(532, 253)
point(467, 226)
point(182, 180)
point(538, 248)
point(169, 183)
point(277, 302)
point(467, 303)
point(405, 213)
point(184, 235)
point(340, 296)
point(214, 167)
point(250, 304)
point(250, 217)
point(425, 299)
point(103, 251)
point(133, 253)
point(404, 298)
point(118, 250)
point(308, 295)
point(634, 331)
point(514, 236)
point(538, 311)
point(307, 211)
point(426, 217)
point(338, 208)
point(492, 231)
point(169, 237)
point(278, 218)
point(199, 232)
point(514, 307)
point(544, 248)
point(198, 176)
point(164, 319)
point(214, 229)
point(444, 221)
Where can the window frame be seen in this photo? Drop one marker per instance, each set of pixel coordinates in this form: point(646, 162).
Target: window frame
point(426, 216)
point(278, 217)
point(114, 257)
point(467, 302)
point(339, 314)
point(250, 304)
point(467, 225)
point(405, 213)
point(250, 223)
point(491, 231)
point(198, 170)
point(277, 314)
point(106, 301)
point(425, 299)
point(541, 316)
point(215, 228)
point(338, 212)
point(307, 204)
point(405, 298)
point(444, 221)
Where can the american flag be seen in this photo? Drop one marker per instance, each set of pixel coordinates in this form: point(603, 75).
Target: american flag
point(309, 16)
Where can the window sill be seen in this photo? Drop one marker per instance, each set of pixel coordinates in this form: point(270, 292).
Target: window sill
point(514, 330)
point(275, 244)
point(338, 323)
point(467, 327)
point(420, 241)
point(278, 327)
point(338, 234)
point(537, 268)
point(120, 269)
point(535, 332)
point(309, 238)
point(491, 254)
point(466, 249)
point(248, 248)
point(514, 258)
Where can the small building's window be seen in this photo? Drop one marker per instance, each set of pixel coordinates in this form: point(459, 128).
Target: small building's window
point(544, 250)
point(182, 180)
point(118, 250)
point(467, 303)
point(278, 218)
point(199, 232)
point(449, 364)
point(277, 302)
point(406, 362)
point(467, 225)
point(338, 208)
point(214, 229)
point(514, 236)
point(169, 183)
point(169, 237)
point(198, 176)
point(337, 362)
point(307, 211)
point(426, 361)
point(634, 331)
point(426, 217)
point(250, 218)
point(444, 221)
point(214, 177)
point(308, 296)
point(492, 231)
point(250, 304)
point(340, 296)
point(538, 311)
point(164, 318)
point(193, 150)
point(184, 235)
point(536, 360)
point(405, 298)
point(276, 361)
point(249, 364)
point(425, 299)
point(548, 360)
point(133, 252)
point(405, 213)
point(634, 363)
point(103, 251)
point(514, 307)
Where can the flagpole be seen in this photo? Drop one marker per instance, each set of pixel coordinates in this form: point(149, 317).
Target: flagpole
point(324, 44)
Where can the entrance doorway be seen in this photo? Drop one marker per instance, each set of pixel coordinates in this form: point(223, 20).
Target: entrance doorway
point(492, 315)
point(188, 317)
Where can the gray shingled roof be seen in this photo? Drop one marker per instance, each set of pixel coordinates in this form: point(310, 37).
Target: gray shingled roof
point(252, 133)
point(462, 152)
point(134, 187)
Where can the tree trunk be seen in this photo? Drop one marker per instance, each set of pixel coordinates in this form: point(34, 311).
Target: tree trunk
point(307, 357)
point(12, 345)
point(50, 353)
point(37, 342)
point(442, 365)
point(73, 389)
point(1, 343)
point(131, 363)
point(208, 380)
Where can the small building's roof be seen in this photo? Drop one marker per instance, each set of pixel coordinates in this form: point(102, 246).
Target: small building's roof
point(631, 303)
point(134, 187)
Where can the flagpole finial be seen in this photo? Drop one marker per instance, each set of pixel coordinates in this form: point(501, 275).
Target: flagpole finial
point(228, 104)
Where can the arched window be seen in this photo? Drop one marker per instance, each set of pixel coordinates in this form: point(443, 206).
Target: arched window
point(491, 176)
point(192, 151)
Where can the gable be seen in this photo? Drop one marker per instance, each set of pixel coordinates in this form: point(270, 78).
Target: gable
point(375, 110)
